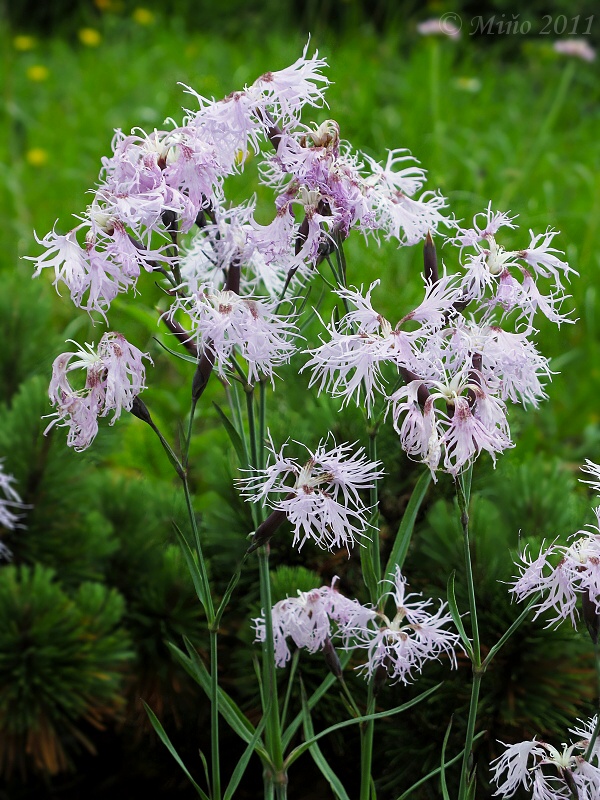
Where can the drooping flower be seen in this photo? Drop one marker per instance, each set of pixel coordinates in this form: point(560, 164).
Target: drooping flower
point(115, 375)
point(323, 502)
point(307, 620)
point(546, 771)
point(455, 414)
point(405, 643)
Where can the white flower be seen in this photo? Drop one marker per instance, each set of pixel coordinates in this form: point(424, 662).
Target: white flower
point(405, 643)
point(10, 507)
point(323, 503)
point(224, 322)
point(552, 774)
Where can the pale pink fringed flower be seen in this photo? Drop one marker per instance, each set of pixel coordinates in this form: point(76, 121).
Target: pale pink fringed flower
point(401, 646)
point(491, 268)
point(11, 507)
point(226, 323)
point(563, 572)
point(548, 772)
point(115, 375)
point(307, 620)
point(322, 499)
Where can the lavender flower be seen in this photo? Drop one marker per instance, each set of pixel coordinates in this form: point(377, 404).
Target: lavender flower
point(323, 502)
point(226, 323)
point(550, 774)
point(493, 268)
point(115, 375)
point(578, 48)
point(349, 364)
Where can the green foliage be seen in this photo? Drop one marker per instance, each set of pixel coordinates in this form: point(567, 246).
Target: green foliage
point(542, 679)
point(61, 664)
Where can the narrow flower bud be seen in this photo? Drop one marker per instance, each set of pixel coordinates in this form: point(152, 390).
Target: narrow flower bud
point(268, 528)
point(139, 410)
point(332, 659)
point(590, 616)
point(430, 267)
point(206, 363)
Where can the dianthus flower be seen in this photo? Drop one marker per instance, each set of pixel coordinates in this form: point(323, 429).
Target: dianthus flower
point(452, 413)
point(115, 375)
point(338, 189)
point(493, 268)
point(562, 572)
point(349, 364)
point(265, 253)
point(224, 322)
point(307, 620)
point(323, 502)
point(10, 506)
point(405, 643)
point(547, 772)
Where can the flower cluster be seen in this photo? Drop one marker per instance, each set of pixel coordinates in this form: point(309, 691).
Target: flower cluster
point(562, 573)
point(457, 371)
point(547, 772)
point(115, 375)
point(323, 503)
point(400, 646)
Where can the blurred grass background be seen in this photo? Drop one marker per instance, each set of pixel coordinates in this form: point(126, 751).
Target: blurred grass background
point(491, 117)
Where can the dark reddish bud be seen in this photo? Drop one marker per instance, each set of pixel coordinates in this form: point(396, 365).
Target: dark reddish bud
point(590, 616)
point(422, 391)
point(332, 659)
point(205, 366)
point(430, 265)
point(380, 677)
point(139, 410)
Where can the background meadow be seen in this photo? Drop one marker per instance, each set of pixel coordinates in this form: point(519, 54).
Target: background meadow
point(97, 586)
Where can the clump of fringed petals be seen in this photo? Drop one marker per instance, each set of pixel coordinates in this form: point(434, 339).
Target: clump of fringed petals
point(320, 497)
point(114, 376)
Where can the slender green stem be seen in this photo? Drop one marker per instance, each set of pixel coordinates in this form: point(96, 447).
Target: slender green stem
point(367, 729)
point(507, 634)
point(596, 731)
point(374, 503)
point(208, 608)
point(349, 697)
point(288, 692)
point(269, 681)
point(214, 718)
point(464, 776)
point(251, 425)
point(463, 490)
point(188, 438)
point(262, 422)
